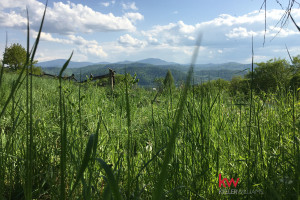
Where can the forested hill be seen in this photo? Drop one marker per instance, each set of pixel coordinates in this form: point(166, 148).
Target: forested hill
point(147, 73)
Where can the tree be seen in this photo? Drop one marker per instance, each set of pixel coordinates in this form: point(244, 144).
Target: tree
point(159, 82)
point(169, 81)
point(270, 75)
point(295, 80)
point(239, 85)
point(14, 56)
point(296, 64)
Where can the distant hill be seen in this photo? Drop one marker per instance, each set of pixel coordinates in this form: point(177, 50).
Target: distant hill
point(151, 61)
point(61, 62)
point(124, 62)
point(223, 66)
point(148, 70)
point(156, 61)
point(146, 73)
point(103, 63)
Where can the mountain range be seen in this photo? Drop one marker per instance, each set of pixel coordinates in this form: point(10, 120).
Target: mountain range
point(149, 69)
point(60, 62)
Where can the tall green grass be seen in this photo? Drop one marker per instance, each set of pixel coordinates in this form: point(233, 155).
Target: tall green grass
point(212, 138)
point(70, 141)
point(158, 191)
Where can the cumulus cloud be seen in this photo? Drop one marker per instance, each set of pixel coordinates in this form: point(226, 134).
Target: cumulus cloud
point(91, 47)
point(241, 32)
point(249, 18)
point(12, 19)
point(185, 29)
point(172, 34)
point(48, 37)
point(271, 32)
point(66, 18)
point(258, 58)
point(84, 46)
point(108, 3)
point(223, 36)
point(20, 4)
point(222, 30)
point(84, 19)
point(277, 31)
point(129, 6)
point(134, 16)
point(105, 4)
point(129, 41)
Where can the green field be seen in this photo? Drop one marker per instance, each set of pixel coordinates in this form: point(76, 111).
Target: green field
point(65, 140)
point(55, 137)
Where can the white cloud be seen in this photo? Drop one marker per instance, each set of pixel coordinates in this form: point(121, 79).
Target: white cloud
point(66, 18)
point(105, 4)
point(258, 58)
point(48, 37)
point(84, 46)
point(134, 16)
point(12, 19)
point(271, 32)
point(223, 30)
point(44, 55)
point(191, 38)
point(172, 34)
point(241, 32)
point(249, 18)
point(77, 17)
point(93, 49)
point(129, 6)
point(88, 46)
point(186, 29)
point(129, 41)
point(20, 4)
point(152, 40)
point(278, 32)
point(224, 36)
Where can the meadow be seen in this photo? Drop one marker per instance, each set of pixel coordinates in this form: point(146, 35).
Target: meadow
point(216, 134)
point(63, 140)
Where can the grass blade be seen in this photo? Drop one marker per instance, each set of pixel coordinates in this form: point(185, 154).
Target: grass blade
point(63, 133)
point(85, 161)
point(64, 67)
point(28, 182)
point(39, 35)
point(158, 190)
point(129, 139)
point(111, 179)
point(17, 83)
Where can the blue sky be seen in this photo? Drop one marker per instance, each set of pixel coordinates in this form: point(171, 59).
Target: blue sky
point(113, 30)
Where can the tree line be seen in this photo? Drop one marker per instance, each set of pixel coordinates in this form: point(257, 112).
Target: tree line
point(271, 76)
point(14, 57)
